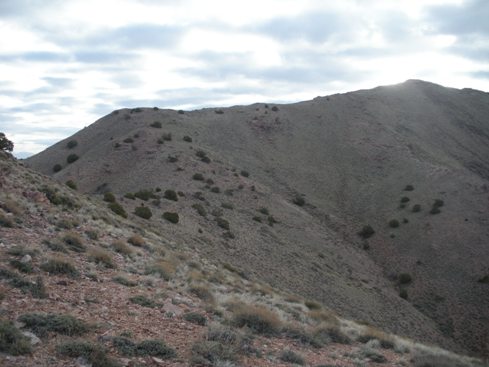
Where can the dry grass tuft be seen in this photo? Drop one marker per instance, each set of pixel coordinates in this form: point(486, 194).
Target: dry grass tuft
point(136, 240)
point(100, 256)
point(258, 319)
point(203, 292)
point(163, 268)
point(122, 248)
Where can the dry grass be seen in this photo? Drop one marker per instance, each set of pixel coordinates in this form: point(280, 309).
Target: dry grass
point(165, 269)
point(370, 333)
point(122, 248)
point(100, 256)
point(136, 240)
point(203, 292)
point(59, 265)
point(11, 206)
point(74, 241)
point(258, 319)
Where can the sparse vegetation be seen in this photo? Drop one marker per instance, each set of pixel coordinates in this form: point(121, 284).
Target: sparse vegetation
point(202, 292)
point(198, 177)
point(156, 125)
point(124, 281)
point(143, 212)
point(405, 278)
point(144, 195)
point(162, 268)
point(394, 223)
point(136, 240)
point(223, 223)
point(21, 266)
point(166, 136)
point(187, 138)
point(409, 188)
point(71, 184)
point(405, 199)
point(95, 354)
point(245, 173)
point(120, 247)
point(57, 168)
point(200, 209)
point(128, 140)
point(6, 221)
point(171, 217)
point(74, 241)
point(416, 208)
point(143, 301)
point(435, 209)
point(102, 257)
point(109, 197)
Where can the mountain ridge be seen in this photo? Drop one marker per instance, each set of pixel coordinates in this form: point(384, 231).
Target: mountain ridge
point(349, 157)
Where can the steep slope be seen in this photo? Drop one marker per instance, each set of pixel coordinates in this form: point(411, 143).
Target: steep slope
point(352, 158)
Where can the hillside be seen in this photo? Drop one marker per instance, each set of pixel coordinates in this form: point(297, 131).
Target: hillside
point(285, 190)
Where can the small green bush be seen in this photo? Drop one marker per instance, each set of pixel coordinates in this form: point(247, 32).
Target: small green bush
point(435, 210)
point(438, 203)
point(20, 266)
point(416, 208)
point(403, 293)
point(215, 190)
point(156, 125)
point(128, 140)
point(394, 223)
point(130, 196)
point(170, 195)
point(405, 278)
point(171, 217)
point(155, 348)
point(274, 108)
point(245, 173)
point(143, 212)
point(366, 232)
point(117, 209)
point(144, 195)
point(409, 188)
point(6, 221)
point(223, 223)
point(57, 168)
point(143, 301)
point(41, 324)
point(200, 209)
point(71, 184)
point(74, 241)
point(109, 197)
point(289, 356)
point(195, 318)
point(229, 206)
point(198, 177)
point(12, 341)
point(72, 144)
point(95, 354)
point(166, 137)
point(257, 219)
point(405, 199)
point(299, 200)
point(72, 158)
point(124, 281)
point(187, 138)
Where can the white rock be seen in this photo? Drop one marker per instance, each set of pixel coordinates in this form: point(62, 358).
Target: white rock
point(33, 337)
point(26, 259)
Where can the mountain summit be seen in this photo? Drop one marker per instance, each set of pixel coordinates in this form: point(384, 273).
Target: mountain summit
point(373, 203)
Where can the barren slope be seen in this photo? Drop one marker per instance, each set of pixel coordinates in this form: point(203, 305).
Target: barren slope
point(350, 157)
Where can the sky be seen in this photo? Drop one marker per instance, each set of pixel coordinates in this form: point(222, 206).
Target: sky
point(66, 63)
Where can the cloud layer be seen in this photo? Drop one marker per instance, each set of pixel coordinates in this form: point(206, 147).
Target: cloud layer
point(64, 64)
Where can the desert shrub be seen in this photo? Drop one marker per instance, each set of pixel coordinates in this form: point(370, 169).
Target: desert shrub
point(291, 357)
point(37, 288)
point(164, 269)
point(257, 318)
point(409, 188)
point(299, 200)
point(366, 232)
point(166, 137)
point(12, 341)
point(21, 266)
point(245, 173)
point(136, 240)
point(171, 217)
point(264, 210)
point(393, 223)
point(229, 206)
point(144, 195)
point(74, 241)
point(109, 197)
point(200, 209)
point(405, 278)
point(156, 125)
point(172, 158)
point(72, 158)
point(56, 198)
point(92, 234)
point(6, 221)
point(71, 184)
point(199, 196)
point(274, 108)
point(257, 219)
point(170, 195)
point(215, 190)
point(202, 292)
point(403, 293)
point(128, 140)
point(187, 138)
point(271, 220)
point(330, 334)
point(195, 318)
point(223, 223)
point(405, 199)
point(120, 247)
point(95, 354)
point(57, 168)
point(155, 348)
point(71, 144)
point(313, 305)
point(435, 210)
point(143, 212)
point(59, 265)
point(41, 324)
point(416, 208)
point(217, 212)
point(143, 301)
point(438, 203)
point(20, 251)
point(198, 177)
point(117, 209)
point(124, 281)
point(484, 279)
point(102, 257)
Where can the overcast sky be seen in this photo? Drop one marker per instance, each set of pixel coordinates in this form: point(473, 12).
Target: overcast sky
point(64, 64)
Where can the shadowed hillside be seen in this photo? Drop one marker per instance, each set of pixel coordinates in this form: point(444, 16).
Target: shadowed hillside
point(281, 192)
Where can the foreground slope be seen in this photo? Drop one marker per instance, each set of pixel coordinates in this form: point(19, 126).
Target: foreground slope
point(382, 157)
